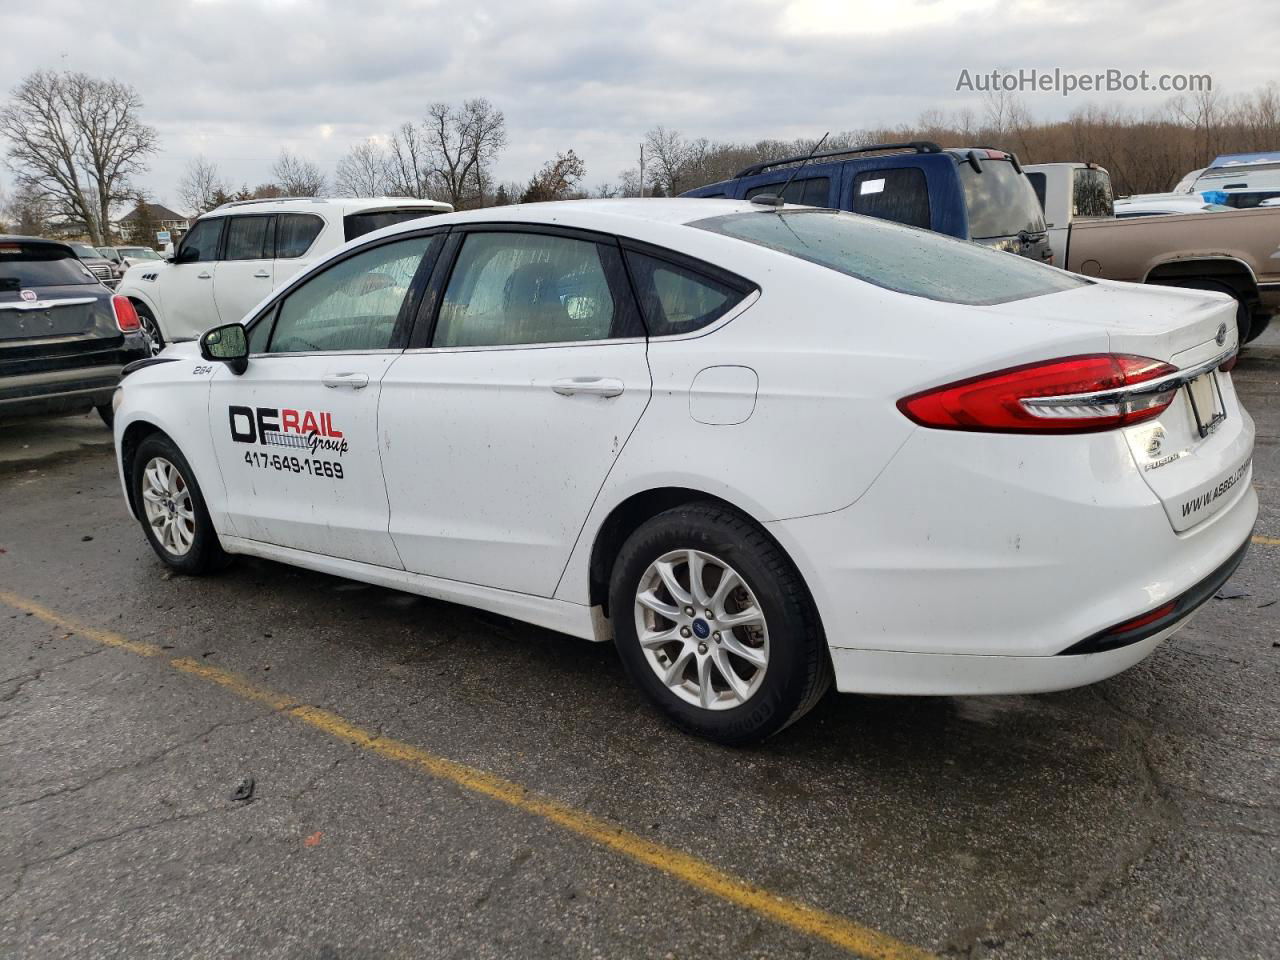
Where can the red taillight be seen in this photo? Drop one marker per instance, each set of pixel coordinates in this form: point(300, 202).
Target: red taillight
point(126, 315)
point(1072, 395)
point(1229, 364)
point(1159, 613)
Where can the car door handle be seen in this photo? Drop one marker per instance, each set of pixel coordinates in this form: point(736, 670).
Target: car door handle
point(206, 275)
point(263, 275)
point(590, 386)
point(356, 381)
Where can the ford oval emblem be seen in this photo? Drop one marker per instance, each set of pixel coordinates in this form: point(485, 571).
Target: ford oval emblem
point(28, 295)
point(1222, 334)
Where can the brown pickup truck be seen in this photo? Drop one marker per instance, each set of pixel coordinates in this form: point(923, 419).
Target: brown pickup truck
point(1235, 252)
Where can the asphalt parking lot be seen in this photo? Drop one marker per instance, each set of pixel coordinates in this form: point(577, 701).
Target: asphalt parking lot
point(429, 781)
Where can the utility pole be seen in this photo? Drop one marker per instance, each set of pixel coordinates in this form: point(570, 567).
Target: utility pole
point(642, 169)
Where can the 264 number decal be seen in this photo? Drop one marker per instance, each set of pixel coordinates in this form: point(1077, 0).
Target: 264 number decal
point(276, 461)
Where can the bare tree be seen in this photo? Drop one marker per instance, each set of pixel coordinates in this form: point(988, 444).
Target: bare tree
point(202, 187)
point(461, 144)
point(556, 180)
point(363, 171)
point(669, 155)
point(408, 170)
point(77, 141)
point(298, 177)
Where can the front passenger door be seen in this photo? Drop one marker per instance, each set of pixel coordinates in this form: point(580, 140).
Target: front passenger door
point(186, 285)
point(296, 435)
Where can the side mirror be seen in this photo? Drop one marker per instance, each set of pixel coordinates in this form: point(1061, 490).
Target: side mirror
point(227, 344)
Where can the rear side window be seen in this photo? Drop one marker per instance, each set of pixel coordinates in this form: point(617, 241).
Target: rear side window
point(248, 238)
point(900, 194)
point(1091, 196)
point(39, 265)
point(812, 192)
point(677, 299)
point(358, 224)
point(295, 232)
point(915, 262)
point(518, 288)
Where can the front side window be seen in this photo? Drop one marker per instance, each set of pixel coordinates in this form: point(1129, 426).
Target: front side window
point(295, 232)
point(353, 305)
point(812, 192)
point(914, 262)
point(900, 194)
point(248, 238)
point(200, 245)
point(517, 288)
point(1091, 196)
point(676, 299)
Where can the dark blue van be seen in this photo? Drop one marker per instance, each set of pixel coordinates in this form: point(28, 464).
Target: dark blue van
point(975, 194)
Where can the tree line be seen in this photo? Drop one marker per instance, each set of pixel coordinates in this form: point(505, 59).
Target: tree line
point(77, 147)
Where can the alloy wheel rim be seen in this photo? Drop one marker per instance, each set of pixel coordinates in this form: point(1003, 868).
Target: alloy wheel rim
point(166, 502)
point(701, 629)
point(152, 333)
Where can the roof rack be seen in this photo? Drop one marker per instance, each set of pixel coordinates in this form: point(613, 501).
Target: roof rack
point(916, 146)
point(245, 203)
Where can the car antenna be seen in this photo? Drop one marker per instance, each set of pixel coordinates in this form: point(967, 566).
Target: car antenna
point(775, 199)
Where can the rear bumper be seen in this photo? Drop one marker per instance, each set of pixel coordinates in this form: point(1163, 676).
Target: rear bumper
point(975, 559)
point(70, 390)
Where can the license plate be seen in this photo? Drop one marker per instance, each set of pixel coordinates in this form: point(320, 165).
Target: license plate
point(1206, 403)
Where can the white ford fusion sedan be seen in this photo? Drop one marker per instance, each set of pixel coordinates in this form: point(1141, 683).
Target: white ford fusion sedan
point(760, 448)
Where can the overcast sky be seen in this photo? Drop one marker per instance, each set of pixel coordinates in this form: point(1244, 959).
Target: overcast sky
point(238, 79)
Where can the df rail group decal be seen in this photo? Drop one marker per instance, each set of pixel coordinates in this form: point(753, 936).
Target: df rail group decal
point(311, 434)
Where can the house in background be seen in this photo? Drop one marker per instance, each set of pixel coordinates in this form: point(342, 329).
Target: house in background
point(144, 221)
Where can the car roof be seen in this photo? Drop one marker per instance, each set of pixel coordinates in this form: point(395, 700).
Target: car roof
point(23, 238)
point(343, 205)
point(609, 216)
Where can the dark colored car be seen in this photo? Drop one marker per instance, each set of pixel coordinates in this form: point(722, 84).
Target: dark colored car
point(64, 337)
point(975, 194)
point(101, 267)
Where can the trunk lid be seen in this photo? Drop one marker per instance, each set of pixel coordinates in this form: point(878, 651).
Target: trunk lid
point(1196, 457)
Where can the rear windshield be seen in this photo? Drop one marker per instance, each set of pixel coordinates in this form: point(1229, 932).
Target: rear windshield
point(1000, 200)
point(915, 262)
point(39, 265)
point(358, 224)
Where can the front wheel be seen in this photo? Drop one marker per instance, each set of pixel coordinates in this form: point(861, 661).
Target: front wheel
point(150, 328)
point(713, 623)
point(172, 509)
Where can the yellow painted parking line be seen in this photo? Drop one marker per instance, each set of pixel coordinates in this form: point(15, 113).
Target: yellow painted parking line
point(1266, 541)
point(697, 873)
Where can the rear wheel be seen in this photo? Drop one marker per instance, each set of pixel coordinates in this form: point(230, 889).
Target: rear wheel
point(713, 623)
point(1242, 309)
point(172, 509)
point(150, 328)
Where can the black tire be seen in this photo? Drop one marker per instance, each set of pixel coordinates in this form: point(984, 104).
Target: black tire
point(1257, 327)
point(107, 413)
point(798, 671)
point(1243, 322)
point(150, 327)
point(204, 553)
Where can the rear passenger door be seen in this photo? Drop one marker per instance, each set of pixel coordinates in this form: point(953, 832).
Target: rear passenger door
point(502, 420)
point(243, 277)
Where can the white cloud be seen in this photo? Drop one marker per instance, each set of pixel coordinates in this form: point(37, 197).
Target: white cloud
point(238, 79)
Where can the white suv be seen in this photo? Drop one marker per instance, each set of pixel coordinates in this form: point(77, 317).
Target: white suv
point(236, 255)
